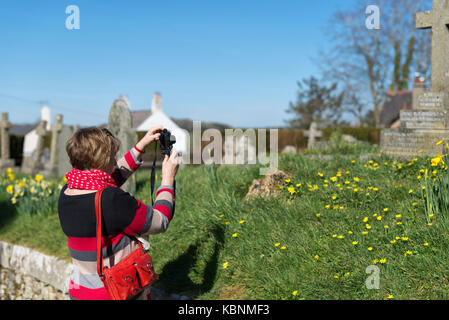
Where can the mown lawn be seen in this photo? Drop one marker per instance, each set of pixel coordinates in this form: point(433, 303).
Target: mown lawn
point(331, 221)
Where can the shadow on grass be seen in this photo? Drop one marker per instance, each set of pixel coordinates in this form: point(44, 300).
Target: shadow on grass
point(175, 278)
point(7, 212)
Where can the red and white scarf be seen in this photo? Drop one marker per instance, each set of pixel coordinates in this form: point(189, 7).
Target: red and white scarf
point(89, 180)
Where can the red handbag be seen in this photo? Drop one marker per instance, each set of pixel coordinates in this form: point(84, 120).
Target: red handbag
point(130, 276)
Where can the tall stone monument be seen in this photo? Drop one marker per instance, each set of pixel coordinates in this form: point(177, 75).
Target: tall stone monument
point(120, 125)
point(5, 161)
point(423, 127)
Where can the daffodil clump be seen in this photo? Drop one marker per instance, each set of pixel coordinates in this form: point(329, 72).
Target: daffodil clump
point(31, 194)
point(435, 187)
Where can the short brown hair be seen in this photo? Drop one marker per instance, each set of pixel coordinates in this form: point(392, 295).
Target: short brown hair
point(92, 148)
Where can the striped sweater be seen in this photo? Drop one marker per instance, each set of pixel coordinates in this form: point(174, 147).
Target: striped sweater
point(123, 216)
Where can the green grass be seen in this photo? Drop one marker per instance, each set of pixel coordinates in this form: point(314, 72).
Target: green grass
point(189, 257)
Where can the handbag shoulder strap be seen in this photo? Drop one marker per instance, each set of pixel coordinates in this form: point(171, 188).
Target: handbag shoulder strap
point(98, 232)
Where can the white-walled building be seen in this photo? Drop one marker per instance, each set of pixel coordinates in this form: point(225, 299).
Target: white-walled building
point(146, 119)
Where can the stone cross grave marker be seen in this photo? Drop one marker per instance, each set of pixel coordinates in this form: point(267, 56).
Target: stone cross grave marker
point(120, 125)
point(438, 21)
point(421, 128)
point(59, 160)
point(42, 132)
point(55, 130)
point(5, 161)
point(313, 133)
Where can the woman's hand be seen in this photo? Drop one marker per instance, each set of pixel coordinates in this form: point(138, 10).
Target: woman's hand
point(169, 168)
point(152, 135)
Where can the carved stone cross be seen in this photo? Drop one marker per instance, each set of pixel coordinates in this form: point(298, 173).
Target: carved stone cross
point(55, 130)
point(312, 134)
point(41, 133)
point(438, 21)
point(5, 125)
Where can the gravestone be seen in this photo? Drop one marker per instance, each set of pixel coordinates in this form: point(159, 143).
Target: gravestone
point(289, 149)
point(34, 165)
point(245, 150)
point(5, 160)
point(120, 125)
point(423, 127)
point(313, 133)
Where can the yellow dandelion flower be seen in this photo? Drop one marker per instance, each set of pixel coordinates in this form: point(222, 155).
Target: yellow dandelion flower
point(235, 235)
point(318, 215)
point(390, 296)
point(283, 247)
point(295, 292)
point(365, 220)
point(225, 265)
point(375, 261)
point(336, 276)
point(317, 257)
point(355, 243)
point(242, 221)
point(288, 180)
point(334, 197)
point(334, 179)
point(356, 179)
point(386, 209)
point(370, 248)
point(379, 218)
point(38, 177)
point(426, 244)
point(277, 244)
point(383, 261)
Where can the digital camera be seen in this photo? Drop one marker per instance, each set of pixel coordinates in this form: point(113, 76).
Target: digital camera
point(166, 140)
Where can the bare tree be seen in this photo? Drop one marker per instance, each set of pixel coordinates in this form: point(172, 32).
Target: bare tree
point(362, 61)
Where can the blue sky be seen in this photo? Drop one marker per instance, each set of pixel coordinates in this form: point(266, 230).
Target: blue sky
point(235, 62)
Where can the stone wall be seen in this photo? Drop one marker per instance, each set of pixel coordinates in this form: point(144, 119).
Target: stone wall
point(16, 286)
point(27, 274)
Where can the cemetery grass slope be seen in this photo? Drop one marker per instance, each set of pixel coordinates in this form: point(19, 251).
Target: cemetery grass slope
point(315, 240)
